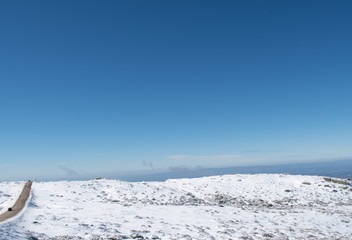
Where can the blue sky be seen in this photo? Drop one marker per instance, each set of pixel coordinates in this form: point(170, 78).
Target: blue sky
point(89, 87)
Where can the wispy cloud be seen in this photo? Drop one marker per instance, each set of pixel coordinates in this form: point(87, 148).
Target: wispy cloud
point(179, 169)
point(194, 161)
point(196, 158)
point(148, 165)
point(69, 171)
point(255, 157)
point(259, 151)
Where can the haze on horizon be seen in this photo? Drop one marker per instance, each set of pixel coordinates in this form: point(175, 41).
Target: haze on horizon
point(136, 86)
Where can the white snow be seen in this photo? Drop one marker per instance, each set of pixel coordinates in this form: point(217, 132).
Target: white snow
point(9, 192)
point(265, 206)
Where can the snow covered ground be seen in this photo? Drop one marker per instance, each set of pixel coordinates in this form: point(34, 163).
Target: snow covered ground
point(9, 192)
point(220, 207)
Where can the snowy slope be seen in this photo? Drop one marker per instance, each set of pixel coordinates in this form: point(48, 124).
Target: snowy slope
point(9, 192)
point(219, 207)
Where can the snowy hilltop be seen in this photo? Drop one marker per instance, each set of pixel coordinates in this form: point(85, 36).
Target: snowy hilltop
point(264, 206)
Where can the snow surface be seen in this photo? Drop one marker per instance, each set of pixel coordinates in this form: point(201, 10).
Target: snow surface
point(9, 192)
point(264, 206)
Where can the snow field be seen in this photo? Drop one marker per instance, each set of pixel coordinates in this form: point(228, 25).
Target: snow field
point(265, 206)
point(9, 192)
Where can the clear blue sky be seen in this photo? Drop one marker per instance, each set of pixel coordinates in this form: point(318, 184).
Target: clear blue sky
point(101, 86)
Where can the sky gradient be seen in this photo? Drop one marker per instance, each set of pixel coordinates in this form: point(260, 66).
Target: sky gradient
point(101, 86)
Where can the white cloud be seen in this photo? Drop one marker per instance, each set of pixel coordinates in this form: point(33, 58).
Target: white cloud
point(257, 158)
point(190, 157)
point(181, 157)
